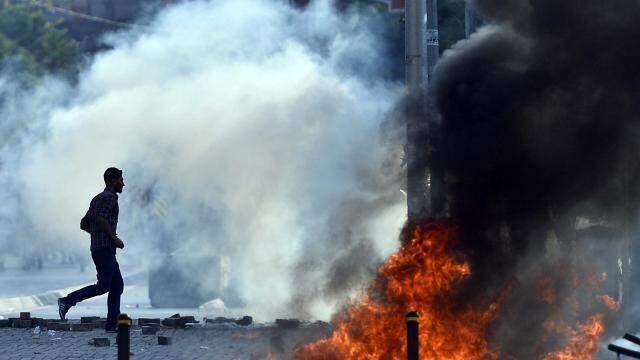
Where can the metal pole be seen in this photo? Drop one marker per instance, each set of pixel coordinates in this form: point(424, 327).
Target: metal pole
point(433, 38)
point(124, 345)
point(415, 55)
point(413, 343)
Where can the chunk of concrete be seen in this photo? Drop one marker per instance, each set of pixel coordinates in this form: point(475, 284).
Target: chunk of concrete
point(288, 323)
point(150, 329)
point(164, 340)
point(177, 323)
point(88, 319)
point(244, 321)
point(147, 321)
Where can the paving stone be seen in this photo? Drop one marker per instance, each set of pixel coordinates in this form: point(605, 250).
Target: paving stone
point(164, 340)
point(147, 321)
point(150, 329)
point(178, 323)
point(220, 320)
point(224, 343)
point(244, 321)
point(288, 323)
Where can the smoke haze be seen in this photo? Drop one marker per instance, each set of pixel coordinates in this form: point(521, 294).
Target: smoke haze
point(242, 127)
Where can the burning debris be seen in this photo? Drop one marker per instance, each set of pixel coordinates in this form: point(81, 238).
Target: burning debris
point(427, 275)
point(423, 276)
point(539, 150)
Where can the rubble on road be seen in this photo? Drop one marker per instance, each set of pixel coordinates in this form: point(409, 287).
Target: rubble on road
point(88, 319)
point(151, 329)
point(146, 321)
point(164, 340)
point(288, 323)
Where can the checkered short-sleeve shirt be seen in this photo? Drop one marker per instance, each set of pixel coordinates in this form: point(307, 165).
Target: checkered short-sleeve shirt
point(104, 205)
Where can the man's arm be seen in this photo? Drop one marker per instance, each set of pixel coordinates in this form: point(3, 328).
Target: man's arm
point(106, 227)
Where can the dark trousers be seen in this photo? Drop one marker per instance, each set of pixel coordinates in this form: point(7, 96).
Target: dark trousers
point(109, 280)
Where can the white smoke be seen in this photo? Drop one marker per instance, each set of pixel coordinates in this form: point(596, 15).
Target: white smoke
point(244, 123)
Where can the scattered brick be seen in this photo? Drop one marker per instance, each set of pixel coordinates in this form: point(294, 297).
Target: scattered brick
point(150, 329)
point(288, 323)
point(177, 323)
point(88, 319)
point(188, 319)
point(220, 320)
point(244, 321)
point(145, 321)
point(164, 340)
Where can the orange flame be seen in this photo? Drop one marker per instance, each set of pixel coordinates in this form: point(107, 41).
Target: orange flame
point(420, 277)
point(583, 342)
point(610, 302)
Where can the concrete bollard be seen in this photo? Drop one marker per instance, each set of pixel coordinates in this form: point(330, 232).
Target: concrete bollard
point(413, 342)
point(124, 332)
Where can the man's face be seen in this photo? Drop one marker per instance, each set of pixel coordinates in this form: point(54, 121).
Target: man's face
point(118, 184)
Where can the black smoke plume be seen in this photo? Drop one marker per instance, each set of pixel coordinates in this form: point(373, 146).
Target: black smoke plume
point(539, 132)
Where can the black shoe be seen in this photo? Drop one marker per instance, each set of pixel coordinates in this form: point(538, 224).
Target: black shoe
point(62, 309)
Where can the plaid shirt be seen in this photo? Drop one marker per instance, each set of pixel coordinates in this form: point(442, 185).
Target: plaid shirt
point(105, 205)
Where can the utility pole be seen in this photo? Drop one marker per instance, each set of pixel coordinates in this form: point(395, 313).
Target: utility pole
point(415, 63)
point(421, 56)
point(433, 38)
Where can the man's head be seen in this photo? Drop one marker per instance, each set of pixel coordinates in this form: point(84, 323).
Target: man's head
point(113, 179)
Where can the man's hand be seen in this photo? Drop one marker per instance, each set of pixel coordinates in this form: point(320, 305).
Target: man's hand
point(118, 243)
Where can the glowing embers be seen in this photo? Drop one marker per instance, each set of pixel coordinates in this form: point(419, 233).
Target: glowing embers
point(422, 277)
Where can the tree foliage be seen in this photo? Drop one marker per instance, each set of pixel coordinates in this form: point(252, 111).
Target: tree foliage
point(29, 39)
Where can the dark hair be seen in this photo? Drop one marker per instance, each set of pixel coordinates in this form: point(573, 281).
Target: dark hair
point(110, 174)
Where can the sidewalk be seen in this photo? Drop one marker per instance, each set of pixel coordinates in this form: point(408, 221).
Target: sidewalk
point(237, 343)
